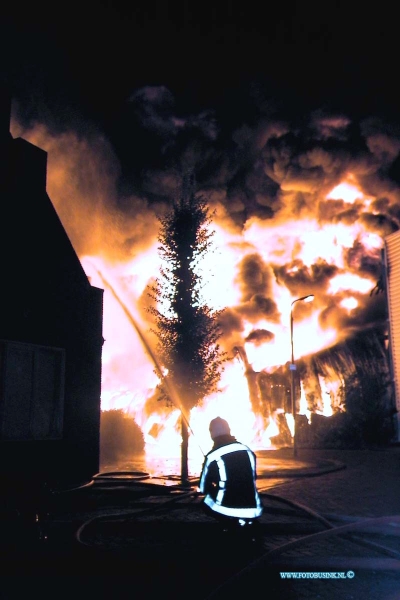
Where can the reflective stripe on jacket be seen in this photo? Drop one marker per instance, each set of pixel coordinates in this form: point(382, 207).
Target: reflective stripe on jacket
point(228, 481)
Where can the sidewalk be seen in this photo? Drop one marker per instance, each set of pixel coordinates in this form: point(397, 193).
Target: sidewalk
point(140, 535)
point(367, 487)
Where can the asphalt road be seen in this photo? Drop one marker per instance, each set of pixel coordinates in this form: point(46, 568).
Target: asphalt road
point(147, 538)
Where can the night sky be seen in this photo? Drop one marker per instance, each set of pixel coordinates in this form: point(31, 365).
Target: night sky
point(261, 100)
point(272, 106)
point(136, 71)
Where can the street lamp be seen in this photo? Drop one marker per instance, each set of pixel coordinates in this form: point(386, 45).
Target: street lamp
point(292, 367)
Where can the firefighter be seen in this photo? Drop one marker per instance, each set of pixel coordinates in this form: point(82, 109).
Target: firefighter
point(228, 480)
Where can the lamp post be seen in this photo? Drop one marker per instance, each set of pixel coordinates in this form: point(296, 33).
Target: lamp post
point(292, 367)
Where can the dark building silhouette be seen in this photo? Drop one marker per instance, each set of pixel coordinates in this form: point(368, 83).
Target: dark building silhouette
point(50, 331)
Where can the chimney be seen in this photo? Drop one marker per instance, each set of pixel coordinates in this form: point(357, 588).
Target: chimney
point(29, 166)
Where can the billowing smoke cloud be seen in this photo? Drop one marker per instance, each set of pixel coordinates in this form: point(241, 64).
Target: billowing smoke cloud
point(260, 336)
point(82, 179)
point(281, 189)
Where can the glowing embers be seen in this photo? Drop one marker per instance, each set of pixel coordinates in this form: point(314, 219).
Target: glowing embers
point(347, 191)
point(310, 337)
point(350, 282)
point(349, 303)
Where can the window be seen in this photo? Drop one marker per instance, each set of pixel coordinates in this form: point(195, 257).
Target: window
point(31, 391)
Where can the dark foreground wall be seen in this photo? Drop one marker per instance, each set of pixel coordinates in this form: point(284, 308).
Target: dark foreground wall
point(50, 333)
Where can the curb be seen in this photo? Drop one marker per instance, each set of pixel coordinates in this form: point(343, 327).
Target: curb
point(320, 468)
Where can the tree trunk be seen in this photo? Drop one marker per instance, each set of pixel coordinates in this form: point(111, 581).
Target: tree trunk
point(184, 451)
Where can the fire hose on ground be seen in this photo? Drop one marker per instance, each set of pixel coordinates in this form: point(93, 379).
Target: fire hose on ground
point(271, 558)
point(337, 530)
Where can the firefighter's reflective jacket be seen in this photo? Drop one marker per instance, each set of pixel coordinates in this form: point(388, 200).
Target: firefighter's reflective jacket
point(228, 480)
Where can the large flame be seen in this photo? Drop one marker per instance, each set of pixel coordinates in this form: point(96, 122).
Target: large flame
point(129, 379)
point(255, 273)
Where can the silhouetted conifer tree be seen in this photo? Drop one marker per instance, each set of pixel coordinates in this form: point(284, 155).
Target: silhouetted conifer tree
point(187, 329)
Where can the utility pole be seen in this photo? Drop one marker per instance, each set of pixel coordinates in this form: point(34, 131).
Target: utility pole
point(292, 367)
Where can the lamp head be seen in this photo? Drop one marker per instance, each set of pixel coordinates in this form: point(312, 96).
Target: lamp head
point(308, 298)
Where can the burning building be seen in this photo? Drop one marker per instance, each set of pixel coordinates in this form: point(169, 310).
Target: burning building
point(390, 281)
point(298, 210)
point(50, 331)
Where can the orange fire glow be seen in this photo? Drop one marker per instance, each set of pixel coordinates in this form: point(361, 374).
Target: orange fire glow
point(128, 372)
point(280, 259)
